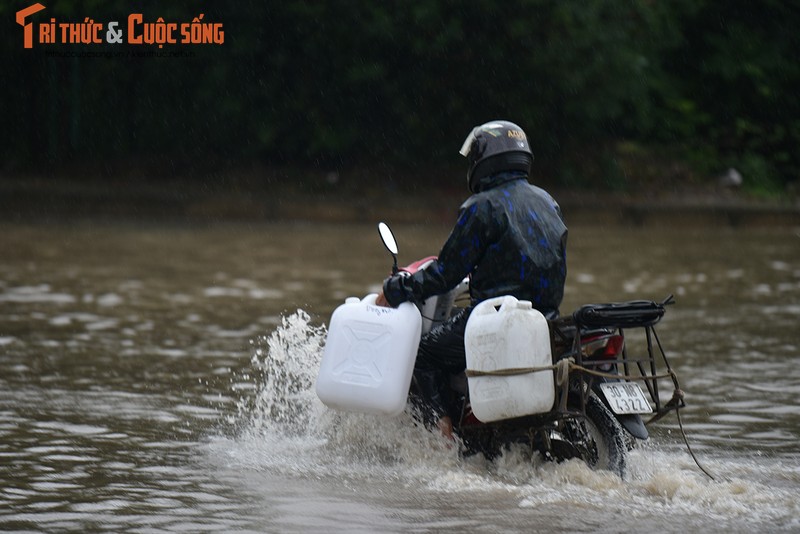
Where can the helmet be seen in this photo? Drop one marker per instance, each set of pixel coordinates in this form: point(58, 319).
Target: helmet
point(495, 147)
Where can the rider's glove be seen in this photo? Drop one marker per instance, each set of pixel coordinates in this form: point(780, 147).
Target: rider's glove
point(396, 290)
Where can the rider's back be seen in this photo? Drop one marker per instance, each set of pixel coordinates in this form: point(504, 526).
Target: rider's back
point(523, 238)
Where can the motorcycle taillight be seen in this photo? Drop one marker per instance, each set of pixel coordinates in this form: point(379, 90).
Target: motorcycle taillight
point(614, 346)
point(604, 347)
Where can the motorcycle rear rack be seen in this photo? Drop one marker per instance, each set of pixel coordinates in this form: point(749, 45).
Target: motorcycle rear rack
point(609, 318)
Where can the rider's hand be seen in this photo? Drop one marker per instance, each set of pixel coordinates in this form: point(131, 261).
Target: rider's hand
point(394, 287)
point(381, 301)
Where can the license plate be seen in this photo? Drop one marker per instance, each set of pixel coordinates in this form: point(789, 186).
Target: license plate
point(626, 397)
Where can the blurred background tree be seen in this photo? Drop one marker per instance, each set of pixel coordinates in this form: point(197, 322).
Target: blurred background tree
point(612, 94)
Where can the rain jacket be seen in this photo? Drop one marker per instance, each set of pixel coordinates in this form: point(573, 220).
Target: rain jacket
point(510, 238)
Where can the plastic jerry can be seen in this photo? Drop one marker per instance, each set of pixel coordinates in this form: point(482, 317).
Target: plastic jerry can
point(506, 333)
point(369, 357)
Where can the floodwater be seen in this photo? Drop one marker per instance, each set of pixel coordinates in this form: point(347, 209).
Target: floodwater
point(160, 378)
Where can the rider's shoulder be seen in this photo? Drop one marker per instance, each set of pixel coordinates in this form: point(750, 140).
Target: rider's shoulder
point(477, 202)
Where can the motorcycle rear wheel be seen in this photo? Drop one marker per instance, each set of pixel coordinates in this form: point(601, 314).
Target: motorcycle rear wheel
point(598, 439)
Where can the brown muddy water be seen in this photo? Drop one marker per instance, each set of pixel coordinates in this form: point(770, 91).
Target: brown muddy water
point(160, 378)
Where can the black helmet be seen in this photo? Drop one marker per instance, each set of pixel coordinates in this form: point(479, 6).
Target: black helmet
point(495, 147)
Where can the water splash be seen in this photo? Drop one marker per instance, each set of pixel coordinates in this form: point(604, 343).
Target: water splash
point(280, 422)
point(284, 369)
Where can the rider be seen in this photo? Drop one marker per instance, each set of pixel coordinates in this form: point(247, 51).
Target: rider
point(510, 238)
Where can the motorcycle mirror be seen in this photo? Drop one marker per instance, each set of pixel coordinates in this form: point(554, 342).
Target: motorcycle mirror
point(389, 242)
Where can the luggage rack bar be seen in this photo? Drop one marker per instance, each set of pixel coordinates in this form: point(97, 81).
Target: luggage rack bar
point(611, 318)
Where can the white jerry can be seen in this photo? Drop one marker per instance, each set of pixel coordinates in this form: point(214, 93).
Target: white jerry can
point(369, 357)
point(506, 333)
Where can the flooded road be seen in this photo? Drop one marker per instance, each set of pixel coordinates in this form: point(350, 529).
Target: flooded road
point(161, 378)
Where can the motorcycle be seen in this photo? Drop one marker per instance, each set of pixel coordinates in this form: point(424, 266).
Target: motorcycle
point(597, 415)
point(596, 410)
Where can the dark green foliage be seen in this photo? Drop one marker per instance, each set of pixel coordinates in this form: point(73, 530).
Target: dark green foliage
point(341, 83)
point(735, 80)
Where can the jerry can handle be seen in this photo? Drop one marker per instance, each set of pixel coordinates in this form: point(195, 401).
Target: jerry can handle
point(370, 299)
point(496, 305)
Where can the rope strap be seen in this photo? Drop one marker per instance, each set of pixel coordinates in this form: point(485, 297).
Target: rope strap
point(512, 371)
point(562, 380)
point(570, 365)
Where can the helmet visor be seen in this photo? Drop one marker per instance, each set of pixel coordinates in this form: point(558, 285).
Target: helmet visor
point(468, 143)
point(488, 127)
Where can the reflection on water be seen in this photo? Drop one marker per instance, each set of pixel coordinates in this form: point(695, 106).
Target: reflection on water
point(160, 378)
